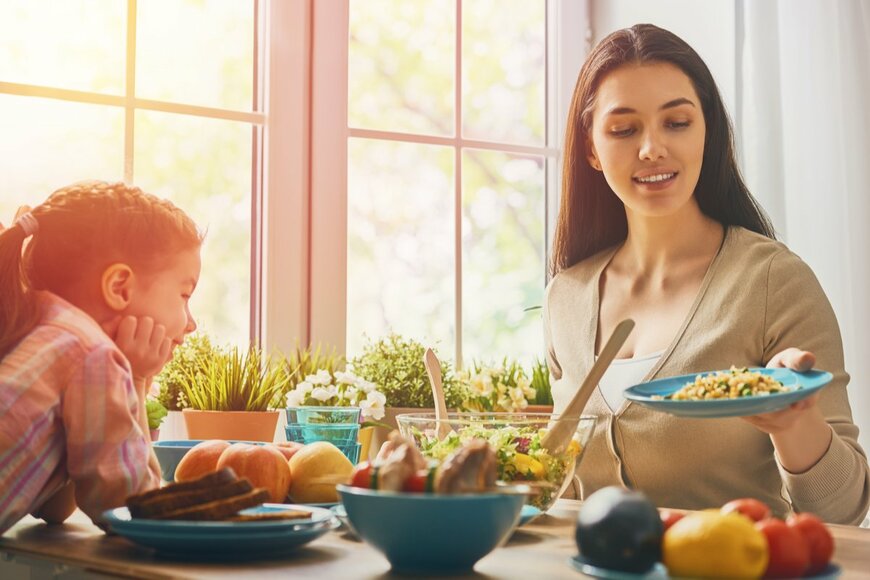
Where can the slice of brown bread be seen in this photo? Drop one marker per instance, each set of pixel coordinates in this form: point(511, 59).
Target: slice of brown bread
point(157, 505)
point(222, 476)
point(219, 509)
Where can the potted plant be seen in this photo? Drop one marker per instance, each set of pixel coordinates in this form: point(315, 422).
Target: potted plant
point(156, 414)
point(543, 402)
point(395, 364)
point(503, 388)
point(187, 360)
point(230, 397)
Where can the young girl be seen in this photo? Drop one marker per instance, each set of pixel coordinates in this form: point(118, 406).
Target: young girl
point(95, 284)
point(656, 225)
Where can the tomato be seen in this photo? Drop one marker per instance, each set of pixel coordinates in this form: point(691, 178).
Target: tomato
point(749, 507)
point(421, 482)
point(788, 551)
point(416, 483)
point(362, 476)
point(818, 538)
point(670, 517)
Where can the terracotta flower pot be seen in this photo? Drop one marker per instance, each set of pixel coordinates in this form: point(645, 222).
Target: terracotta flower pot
point(155, 434)
point(538, 409)
point(238, 425)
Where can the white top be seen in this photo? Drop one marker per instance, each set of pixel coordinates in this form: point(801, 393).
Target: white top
point(623, 373)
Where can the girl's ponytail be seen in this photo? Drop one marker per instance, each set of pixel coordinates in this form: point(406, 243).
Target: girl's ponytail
point(18, 312)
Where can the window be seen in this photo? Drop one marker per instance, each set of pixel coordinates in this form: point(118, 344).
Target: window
point(160, 93)
point(452, 141)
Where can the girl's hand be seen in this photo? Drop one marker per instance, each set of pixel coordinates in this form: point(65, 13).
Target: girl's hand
point(784, 419)
point(144, 343)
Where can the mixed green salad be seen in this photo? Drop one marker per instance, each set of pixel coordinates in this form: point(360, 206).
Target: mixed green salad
point(518, 449)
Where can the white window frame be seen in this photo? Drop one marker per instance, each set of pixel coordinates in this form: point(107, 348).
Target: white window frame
point(567, 27)
point(130, 103)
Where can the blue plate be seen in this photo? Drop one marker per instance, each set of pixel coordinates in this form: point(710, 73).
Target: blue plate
point(801, 386)
point(658, 572)
point(224, 540)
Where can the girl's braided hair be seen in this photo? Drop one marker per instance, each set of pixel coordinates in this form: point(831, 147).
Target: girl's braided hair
point(82, 229)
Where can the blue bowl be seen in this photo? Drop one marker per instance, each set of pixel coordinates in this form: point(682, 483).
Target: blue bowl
point(460, 529)
point(169, 453)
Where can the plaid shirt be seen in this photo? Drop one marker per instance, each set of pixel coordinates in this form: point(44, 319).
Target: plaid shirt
point(68, 411)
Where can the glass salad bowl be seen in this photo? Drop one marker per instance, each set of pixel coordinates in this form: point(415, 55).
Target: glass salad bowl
point(516, 440)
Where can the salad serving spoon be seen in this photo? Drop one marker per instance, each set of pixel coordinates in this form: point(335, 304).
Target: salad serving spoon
point(560, 434)
point(433, 369)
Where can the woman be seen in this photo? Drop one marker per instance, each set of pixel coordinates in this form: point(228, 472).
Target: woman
point(656, 225)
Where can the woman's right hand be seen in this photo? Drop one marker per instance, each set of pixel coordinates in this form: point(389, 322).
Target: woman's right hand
point(144, 343)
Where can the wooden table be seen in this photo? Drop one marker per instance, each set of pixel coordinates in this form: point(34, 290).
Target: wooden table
point(538, 550)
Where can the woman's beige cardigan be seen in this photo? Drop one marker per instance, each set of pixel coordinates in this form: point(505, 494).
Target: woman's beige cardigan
point(756, 299)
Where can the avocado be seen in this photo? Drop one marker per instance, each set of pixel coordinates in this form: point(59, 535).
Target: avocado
point(620, 530)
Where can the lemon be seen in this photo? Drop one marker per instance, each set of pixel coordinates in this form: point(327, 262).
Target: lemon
point(312, 463)
point(711, 544)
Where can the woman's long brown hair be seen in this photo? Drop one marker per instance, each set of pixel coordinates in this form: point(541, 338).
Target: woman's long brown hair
point(591, 216)
point(83, 228)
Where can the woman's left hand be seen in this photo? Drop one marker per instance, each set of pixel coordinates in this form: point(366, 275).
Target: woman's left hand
point(778, 421)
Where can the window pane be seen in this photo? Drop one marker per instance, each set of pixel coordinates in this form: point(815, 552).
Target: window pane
point(400, 263)
point(73, 44)
point(46, 144)
point(503, 70)
point(503, 255)
point(401, 60)
point(204, 166)
point(199, 52)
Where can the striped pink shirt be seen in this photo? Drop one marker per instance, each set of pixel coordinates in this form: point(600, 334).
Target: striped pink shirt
point(68, 411)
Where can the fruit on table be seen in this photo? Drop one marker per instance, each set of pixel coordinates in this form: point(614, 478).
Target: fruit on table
point(670, 517)
point(620, 530)
point(751, 508)
point(710, 544)
point(200, 460)
point(787, 551)
point(263, 465)
point(317, 461)
point(288, 448)
point(820, 542)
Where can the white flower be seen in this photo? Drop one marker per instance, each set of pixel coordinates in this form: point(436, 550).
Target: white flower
point(323, 394)
point(518, 398)
point(351, 394)
point(481, 385)
point(373, 405)
point(304, 387)
point(342, 377)
point(321, 378)
point(295, 398)
point(365, 386)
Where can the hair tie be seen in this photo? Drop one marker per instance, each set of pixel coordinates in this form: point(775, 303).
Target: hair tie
point(27, 222)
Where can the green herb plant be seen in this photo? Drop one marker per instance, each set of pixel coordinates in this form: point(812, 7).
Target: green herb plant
point(234, 380)
point(541, 383)
point(497, 388)
point(395, 364)
point(156, 413)
point(187, 360)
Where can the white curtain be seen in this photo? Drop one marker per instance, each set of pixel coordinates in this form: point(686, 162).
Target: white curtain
point(803, 127)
